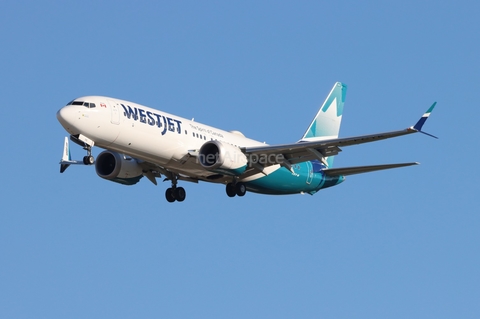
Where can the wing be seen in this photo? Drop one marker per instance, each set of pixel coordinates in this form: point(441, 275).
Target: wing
point(302, 151)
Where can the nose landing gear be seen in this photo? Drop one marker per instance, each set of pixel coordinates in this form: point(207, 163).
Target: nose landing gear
point(89, 159)
point(87, 145)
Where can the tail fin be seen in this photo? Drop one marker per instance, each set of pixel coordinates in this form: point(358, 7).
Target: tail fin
point(326, 124)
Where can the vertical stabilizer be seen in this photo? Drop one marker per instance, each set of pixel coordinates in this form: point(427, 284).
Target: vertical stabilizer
point(326, 124)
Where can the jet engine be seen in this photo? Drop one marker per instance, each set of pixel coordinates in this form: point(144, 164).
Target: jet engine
point(117, 168)
point(222, 158)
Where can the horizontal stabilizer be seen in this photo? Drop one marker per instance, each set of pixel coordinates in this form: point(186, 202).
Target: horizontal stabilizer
point(363, 169)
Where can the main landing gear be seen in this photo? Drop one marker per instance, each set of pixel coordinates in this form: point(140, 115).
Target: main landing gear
point(175, 193)
point(179, 194)
point(236, 189)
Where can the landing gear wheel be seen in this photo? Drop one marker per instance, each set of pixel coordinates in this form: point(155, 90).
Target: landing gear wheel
point(169, 195)
point(240, 189)
point(88, 160)
point(231, 190)
point(174, 193)
point(179, 194)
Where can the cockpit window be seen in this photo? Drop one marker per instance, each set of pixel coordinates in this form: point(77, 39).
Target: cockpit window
point(86, 104)
point(89, 105)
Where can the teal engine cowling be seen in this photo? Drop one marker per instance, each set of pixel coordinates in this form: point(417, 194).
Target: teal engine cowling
point(118, 168)
point(222, 158)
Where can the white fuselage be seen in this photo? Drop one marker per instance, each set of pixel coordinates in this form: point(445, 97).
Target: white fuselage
point(144, 133)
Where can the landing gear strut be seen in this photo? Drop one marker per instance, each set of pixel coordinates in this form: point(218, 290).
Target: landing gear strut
point(175, 193)
point(88, 160)
point(87, 145)
point(233, 189)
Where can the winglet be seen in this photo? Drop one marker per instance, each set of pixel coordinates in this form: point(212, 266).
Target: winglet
point(418, 127)
point(66, 157)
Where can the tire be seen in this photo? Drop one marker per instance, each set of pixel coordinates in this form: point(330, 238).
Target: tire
point(230, 190)
point(240, 189)
point(180, 194)
point(88, 160)
point(169, 195)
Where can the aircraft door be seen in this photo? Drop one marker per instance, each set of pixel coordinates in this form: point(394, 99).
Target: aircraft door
point(115, 119)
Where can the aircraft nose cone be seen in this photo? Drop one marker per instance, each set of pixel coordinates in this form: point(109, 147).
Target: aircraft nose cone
point(66, 116)
point(62, 116)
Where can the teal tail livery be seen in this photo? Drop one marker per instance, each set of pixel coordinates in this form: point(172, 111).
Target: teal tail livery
point(326, 124)
point(139, 141)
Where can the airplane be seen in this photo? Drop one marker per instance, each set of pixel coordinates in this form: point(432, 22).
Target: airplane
point(139, 141)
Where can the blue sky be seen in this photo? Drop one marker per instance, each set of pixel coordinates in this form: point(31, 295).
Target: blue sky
point(400, 243)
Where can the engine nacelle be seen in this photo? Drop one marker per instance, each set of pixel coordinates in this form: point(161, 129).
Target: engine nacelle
point(223, 158)
point(117, 168)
